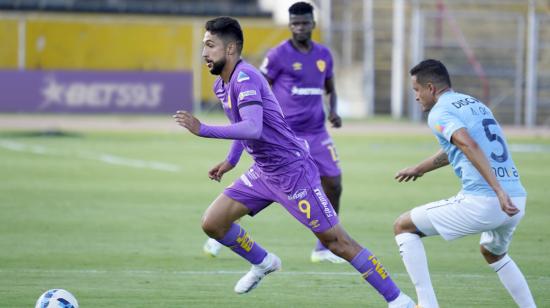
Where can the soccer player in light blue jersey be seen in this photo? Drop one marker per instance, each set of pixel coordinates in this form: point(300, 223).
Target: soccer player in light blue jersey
point(282, 172)
point(491, 201)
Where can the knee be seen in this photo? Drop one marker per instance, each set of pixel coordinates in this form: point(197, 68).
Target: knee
point(212, 228)
point(489, 256)
point(344, 247)
point(399, 224)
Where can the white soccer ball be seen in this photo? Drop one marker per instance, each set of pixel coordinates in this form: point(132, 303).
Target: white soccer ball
point(56, 298)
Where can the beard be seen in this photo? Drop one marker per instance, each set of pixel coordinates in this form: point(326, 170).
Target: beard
point(302, 38)
point(217, 67)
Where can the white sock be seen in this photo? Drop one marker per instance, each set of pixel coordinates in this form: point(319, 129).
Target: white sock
point(414, 257)
point(514, 281)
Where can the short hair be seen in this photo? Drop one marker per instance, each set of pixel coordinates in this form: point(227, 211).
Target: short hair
point(228, 29)
point(300, 8)
point(433, 71)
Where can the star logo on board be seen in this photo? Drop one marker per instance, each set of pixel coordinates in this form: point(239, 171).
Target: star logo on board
point(52, 92)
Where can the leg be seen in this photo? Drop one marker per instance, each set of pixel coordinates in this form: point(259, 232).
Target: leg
point(332, 185)
point(414, 257)
point(212, 247)
point(494, 245)
point(218, 223)
point(511, 277)
point(341, 244)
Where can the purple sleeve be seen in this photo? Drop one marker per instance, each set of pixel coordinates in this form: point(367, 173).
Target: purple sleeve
point(249, 128)
point(235, 153)
point(270, 67)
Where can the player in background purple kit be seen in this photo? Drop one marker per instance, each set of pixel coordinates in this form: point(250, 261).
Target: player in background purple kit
point(282, 172)
point(300, 73)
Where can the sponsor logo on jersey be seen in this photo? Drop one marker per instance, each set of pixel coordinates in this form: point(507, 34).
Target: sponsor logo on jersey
point(242, 77)
point(244, 94)
point(321, 65)
point(306, 91)
point(297, 66)
point(299, 194)
point(246, 181)
point(253, 174)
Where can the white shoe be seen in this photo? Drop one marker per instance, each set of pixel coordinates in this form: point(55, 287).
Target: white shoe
point(325, 255)
point(402, 301)
point(212, 247)
point(250, 280)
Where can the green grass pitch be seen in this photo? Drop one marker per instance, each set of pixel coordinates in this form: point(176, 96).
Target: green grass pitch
point(115, 219)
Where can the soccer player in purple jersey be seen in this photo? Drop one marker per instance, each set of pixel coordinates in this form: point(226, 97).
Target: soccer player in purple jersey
point(282, 172)
point(300, 72)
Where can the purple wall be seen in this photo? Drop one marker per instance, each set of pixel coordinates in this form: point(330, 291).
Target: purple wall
point(95, 91)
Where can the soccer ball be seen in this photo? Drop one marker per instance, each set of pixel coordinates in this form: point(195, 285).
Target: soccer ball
point(56, 298)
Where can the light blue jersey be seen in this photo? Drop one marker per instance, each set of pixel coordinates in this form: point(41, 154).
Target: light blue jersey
point(454, 111)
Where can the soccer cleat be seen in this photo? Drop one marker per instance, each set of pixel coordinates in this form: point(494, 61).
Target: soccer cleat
point(250, 280)
point(325, 255)
point(402, 301)
point(212, 247)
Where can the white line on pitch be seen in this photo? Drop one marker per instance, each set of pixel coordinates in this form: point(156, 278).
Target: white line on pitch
point(102, 157)
point(236, 272)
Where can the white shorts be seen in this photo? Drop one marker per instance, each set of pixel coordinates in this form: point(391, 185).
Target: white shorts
point(463, 215)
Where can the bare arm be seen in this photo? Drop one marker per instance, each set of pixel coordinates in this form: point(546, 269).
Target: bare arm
point(431, 163)
point(333, 116)
point(475, 155)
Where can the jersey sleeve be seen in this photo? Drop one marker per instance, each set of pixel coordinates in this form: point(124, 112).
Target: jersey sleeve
point(444, 123)
point(247, 88)
point(270, 67)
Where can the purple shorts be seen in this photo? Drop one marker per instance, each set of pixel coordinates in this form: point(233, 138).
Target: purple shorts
point(299, 191)
point(324, 154)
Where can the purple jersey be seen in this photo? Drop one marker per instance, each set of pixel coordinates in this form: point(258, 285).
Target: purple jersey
point(299, 84)
point(277, 150)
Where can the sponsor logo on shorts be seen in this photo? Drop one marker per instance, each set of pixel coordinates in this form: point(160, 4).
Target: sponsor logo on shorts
point(299, 194)
point(324, 202)
point(314, 224)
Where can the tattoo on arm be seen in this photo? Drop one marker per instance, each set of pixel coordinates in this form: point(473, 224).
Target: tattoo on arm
point(441, 160)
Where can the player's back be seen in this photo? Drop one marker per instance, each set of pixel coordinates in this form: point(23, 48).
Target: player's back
point(455, 110)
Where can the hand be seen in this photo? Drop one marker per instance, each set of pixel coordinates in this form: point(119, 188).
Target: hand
point(506, 204)
point(219, 170)
point(407, 174)
point(187, 120)
point(335, 120)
